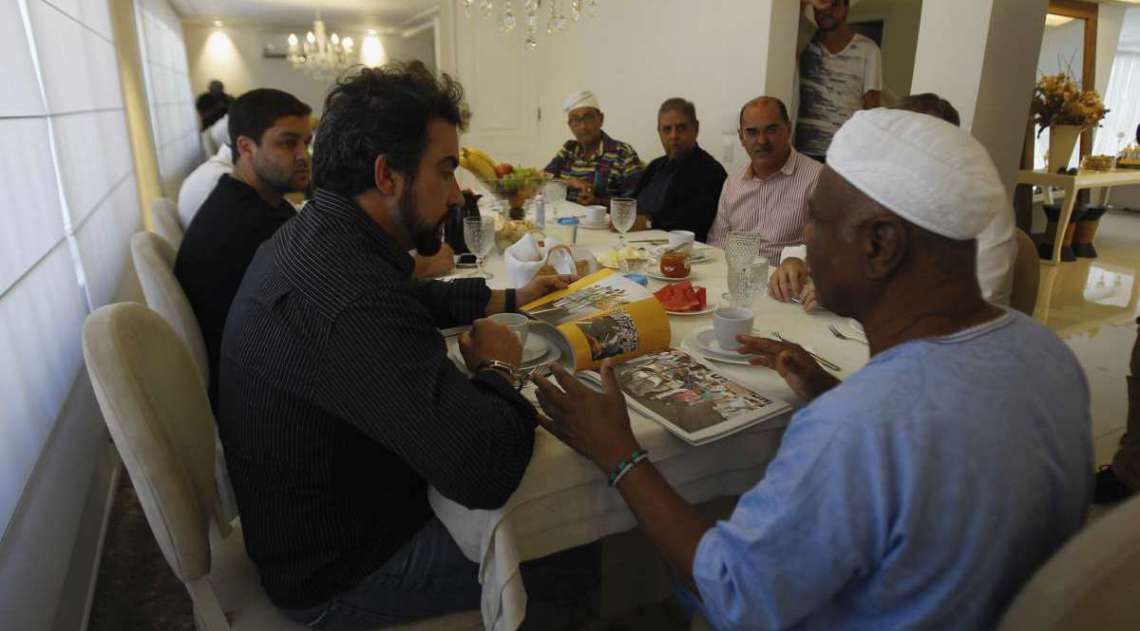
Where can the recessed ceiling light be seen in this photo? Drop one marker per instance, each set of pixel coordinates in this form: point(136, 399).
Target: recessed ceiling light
point(218, 23)
point(1052, 19)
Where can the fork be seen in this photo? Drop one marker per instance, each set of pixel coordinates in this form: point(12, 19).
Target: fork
point(839, 334)
point(822, 362)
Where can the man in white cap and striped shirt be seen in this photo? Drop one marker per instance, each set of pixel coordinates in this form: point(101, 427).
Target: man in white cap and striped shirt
point(924, 490)
point(594, 166)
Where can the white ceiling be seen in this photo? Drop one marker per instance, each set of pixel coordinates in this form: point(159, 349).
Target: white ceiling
point(389, 13)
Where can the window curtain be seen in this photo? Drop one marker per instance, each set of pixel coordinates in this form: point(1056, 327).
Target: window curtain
point(173, 118)
point(1122, 98)
point(70, 208)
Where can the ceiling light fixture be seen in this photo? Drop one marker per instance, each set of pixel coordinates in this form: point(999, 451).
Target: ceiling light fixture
point(556, 23)
point(321, 56)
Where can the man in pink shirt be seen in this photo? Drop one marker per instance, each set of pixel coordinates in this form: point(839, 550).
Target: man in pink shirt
point(770, 194)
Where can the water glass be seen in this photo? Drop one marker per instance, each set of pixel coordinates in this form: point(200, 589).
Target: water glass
point(479, 235)
point(740, 250)
point(623, 214)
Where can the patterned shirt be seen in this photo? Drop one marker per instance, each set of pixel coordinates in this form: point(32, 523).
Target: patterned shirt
point(775, 206)
point(832, 89)
point(614, 171)
point(338, 404)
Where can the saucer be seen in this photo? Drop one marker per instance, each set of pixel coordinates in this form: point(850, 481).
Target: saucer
point(704, 341)
point(659, 276)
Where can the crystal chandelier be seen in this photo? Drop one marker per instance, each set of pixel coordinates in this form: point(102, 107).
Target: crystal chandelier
point(557, 19)
point(320, 56)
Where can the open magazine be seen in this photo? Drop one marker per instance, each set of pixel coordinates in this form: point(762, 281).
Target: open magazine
point(691, 399)
point(600, 316)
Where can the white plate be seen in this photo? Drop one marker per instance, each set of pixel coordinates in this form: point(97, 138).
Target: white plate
point(852, 328)
point(696, 255)
point(659, 276)
point(594, 226)
point(705, 341)
point(709, 308)
point(536, 348)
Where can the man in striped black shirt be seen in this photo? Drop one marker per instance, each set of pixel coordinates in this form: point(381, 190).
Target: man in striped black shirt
point(338, 403)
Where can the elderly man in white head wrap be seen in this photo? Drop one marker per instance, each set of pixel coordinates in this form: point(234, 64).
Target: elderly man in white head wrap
point(926, 488)
point(997, 245)
point(594, 166)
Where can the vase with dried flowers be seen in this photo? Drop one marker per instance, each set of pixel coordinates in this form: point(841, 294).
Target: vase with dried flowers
point(1067, 110)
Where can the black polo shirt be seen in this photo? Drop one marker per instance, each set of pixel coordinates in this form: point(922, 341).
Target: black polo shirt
point(217, 248)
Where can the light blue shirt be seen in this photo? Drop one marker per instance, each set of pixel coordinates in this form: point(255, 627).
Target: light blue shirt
point(919, 494)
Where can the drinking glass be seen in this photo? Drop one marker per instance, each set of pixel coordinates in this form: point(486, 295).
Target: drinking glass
point(740, 249)
point(623, 213)
point(479, 235)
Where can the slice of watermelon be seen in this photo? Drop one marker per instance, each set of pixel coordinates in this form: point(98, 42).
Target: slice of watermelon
point(682, 297)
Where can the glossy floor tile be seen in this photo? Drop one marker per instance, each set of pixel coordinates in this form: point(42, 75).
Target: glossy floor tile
point(1092, 305)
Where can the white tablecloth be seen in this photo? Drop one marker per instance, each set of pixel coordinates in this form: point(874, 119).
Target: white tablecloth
point(563, 500)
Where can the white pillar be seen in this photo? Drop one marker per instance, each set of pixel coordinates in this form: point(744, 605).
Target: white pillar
point(981, 55)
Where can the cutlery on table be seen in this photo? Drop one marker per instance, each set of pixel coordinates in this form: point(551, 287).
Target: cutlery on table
point(841, 335)
point(822, 361)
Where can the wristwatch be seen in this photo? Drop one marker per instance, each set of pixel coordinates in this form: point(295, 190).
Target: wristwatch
point(513, 375)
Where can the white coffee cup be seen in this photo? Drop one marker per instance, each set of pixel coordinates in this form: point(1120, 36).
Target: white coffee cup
point(681, 237)
point(595, 214)
point(516, 322)
point(728, 322)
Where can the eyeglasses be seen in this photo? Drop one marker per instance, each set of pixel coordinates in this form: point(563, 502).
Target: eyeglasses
point(589, 119)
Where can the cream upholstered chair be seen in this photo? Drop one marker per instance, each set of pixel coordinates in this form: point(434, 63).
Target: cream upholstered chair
point(154, 264)
point(164, 214)
point(1093, 582)
point(157, 412)
point(1026, 275)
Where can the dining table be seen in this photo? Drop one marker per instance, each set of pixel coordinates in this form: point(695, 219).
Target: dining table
point(564, 501)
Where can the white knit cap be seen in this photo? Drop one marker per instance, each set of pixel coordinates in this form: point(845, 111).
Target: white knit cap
point(922, 168)
point(585, 98)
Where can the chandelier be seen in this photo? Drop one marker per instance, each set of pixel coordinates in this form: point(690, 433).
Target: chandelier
point(320, 56)
point(556, 22)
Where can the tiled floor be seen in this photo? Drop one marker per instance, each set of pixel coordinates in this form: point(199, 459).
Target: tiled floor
point(1092, 305)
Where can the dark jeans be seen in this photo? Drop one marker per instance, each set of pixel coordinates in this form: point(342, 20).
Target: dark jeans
point(429, 576)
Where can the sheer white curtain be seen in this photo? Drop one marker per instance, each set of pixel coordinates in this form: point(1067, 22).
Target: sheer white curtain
point(173, 118)
point(70, 207)
point(1123, 99)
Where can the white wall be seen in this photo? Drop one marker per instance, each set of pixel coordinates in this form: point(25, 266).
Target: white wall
point(633, 55)
point(233, 54)
point(901, 19)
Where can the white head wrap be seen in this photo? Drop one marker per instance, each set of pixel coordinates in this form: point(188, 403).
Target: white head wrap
point(922, 168)
point(585, 98)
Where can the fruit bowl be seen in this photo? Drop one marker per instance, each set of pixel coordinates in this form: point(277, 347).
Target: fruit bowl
point(514, 187)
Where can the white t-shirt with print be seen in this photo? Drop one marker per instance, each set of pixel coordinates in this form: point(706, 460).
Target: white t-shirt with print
point(832, 89)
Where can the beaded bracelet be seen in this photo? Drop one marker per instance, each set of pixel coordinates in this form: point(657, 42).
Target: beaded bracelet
point(626, 466)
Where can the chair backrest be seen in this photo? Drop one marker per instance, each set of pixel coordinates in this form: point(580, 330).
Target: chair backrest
point(1026, 275)
point(1092, 583)
point(164, 214)
point(158, 415)
point(154, 264)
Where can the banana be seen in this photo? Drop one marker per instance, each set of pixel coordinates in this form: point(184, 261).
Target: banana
point(483, 154)
point(477, 162)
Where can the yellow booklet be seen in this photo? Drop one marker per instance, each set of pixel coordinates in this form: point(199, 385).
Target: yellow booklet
point(600, 316)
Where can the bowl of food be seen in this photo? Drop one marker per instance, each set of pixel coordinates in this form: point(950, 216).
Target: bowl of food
point(514, 186)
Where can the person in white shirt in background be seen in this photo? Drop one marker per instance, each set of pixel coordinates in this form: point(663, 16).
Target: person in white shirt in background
point(201, 182)
point(997, 245)
point(840, 73)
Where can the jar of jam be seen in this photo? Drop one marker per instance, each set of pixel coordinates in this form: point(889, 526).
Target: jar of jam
point(675, 265)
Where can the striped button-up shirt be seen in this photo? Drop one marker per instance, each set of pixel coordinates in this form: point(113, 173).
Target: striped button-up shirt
point(613, 170)
point(775, 206)
point(338, 404)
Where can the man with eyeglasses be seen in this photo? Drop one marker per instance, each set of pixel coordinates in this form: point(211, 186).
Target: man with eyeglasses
point(593, 166)
point(770, 195)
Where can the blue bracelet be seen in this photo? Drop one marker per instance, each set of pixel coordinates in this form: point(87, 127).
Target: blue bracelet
point(626, 466)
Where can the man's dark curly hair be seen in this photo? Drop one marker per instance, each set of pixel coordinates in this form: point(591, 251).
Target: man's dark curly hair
point(379, 111)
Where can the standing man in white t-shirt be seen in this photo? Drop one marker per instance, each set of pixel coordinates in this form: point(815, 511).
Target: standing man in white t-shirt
point(841, 72)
